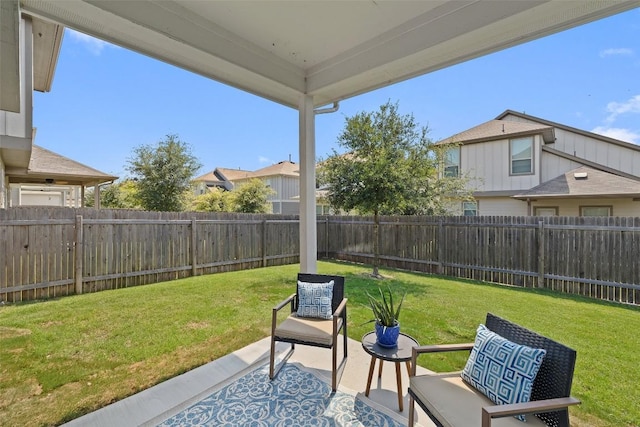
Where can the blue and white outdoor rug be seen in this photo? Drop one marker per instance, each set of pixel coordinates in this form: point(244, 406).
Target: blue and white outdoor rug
point(296, 397)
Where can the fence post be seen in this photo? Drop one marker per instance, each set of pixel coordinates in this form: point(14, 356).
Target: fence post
point(79, 254)
point(541, 254)
point(441, 243)
point(194, 248)
point(264, 242)
point(326, 237)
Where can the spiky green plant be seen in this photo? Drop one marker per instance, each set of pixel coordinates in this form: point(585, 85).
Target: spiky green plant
point(383, 308)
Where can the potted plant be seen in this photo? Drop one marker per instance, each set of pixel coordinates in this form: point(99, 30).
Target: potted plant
point(385, 316)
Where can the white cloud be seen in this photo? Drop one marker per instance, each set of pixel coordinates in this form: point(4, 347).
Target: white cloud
point(92, 44)
point(632, 105)
point(618, 133)
point(263, 159)
point(618, 51)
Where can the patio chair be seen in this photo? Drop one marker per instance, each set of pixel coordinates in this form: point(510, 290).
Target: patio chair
point(451, 401)
point(312, 322)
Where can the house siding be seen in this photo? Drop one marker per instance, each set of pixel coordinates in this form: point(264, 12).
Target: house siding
point(620, 157)
point(496, 206)
point(553, 166)
point(571, 207)
point(491, 161)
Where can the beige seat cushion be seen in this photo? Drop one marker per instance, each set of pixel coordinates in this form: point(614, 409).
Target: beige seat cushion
point(307, 329)
point(457, 404)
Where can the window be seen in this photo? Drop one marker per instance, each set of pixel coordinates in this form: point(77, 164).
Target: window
point(595, 210)
point(452, 162)
point(470, 208)
point(545, 211)
point(521, 153)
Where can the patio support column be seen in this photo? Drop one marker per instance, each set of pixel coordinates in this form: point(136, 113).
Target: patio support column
point(308, 226)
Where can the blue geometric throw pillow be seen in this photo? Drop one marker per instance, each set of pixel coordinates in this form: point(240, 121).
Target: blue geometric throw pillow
point(314, 300)
point(502, 370)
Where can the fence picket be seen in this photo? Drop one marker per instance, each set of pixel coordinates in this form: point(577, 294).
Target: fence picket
point(45, 253)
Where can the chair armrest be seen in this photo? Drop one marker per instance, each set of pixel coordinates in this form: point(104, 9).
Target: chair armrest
point(340, 308)
point(274, 315)
point(416, 351)
point(533, 407)
point(283, 303)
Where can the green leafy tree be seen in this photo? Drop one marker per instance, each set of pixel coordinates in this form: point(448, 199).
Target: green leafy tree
point(163, 174)
point(390, 168)
point(216, 200)
point(252, 197)
point(117, 195)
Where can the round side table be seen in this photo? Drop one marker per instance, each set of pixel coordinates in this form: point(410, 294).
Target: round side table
point(401, 353)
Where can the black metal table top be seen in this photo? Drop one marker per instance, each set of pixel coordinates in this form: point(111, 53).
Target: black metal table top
point(401, 353)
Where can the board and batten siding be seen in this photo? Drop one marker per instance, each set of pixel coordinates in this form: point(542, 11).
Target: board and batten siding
point(285, 187)
point(553, 166)
point(621, 156)
point(490, 161)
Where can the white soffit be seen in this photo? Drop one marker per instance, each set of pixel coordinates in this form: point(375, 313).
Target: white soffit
point(330, 49)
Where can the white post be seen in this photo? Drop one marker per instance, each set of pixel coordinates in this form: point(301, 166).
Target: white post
point(308, 226)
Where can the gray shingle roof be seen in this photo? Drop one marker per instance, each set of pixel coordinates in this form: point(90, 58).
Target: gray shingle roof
point(574, 184)
point(498, 129)
point(46, 165)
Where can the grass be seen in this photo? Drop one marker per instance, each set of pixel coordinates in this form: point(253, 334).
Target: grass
point(63, 358)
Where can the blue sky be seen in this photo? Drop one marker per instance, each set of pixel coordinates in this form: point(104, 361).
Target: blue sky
point(106, 100)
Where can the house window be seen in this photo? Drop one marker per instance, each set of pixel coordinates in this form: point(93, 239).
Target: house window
point(452, 162)
point(595, 210)
point(545, 211)
point(470, 208)
point(521, 154)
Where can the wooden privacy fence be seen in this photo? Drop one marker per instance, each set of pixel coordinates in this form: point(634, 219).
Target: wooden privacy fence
point(64, 251)
point(594, 257)
point(48, 252)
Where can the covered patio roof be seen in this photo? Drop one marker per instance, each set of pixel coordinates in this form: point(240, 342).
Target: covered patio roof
point(329, 50)
point(306, 54)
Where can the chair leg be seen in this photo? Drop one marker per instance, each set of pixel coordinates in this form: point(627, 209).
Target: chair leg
point(272, 357)
point(411, 411)
point(334, 373)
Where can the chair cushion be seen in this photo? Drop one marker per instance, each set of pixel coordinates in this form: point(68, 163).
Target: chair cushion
point(455, 403)
point(502, 370)
point(314, 299)
point(311, 330)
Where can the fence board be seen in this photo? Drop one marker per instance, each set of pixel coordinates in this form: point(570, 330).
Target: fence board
point(595, 257)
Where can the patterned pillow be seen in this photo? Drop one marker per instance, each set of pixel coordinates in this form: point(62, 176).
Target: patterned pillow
point(502, 370)
point(314, 299)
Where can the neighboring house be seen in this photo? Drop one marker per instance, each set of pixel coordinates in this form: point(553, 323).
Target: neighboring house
point(283, 178)
point(523, 165)
point(31, 175)
point(218, 178)
point(52, 180)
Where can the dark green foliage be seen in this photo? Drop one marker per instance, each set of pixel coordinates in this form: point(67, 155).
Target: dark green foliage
point(163, 173)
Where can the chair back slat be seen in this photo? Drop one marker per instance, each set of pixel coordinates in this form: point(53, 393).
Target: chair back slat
point(556, 372)
point(338, 286)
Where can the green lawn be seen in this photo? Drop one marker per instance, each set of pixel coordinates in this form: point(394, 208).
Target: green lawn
point(63, 358)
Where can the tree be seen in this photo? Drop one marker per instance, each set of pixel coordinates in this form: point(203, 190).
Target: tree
point(390, 167)
point(252, 197)
point(216, 200)
point(163, 173)
point(118, 195)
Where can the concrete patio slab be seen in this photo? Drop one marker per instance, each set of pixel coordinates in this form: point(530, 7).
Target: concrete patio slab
point(152, 406)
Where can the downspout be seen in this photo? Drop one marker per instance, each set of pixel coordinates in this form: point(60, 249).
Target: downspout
point(333, 109)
